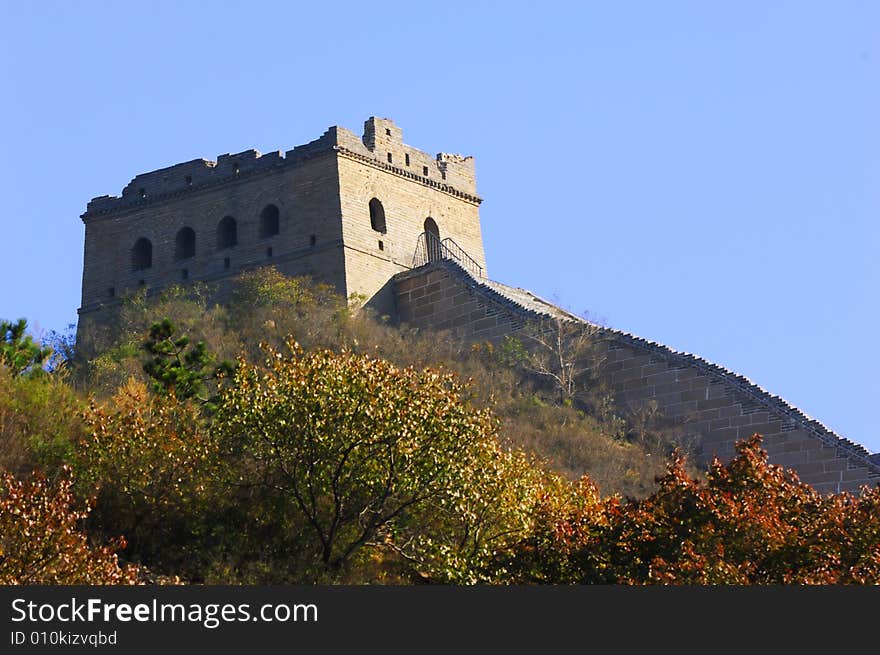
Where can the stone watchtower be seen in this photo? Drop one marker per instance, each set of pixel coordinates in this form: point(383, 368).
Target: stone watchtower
point(346, 210)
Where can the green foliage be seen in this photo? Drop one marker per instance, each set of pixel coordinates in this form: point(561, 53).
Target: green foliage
point(18, 351)
point(367, 454)
point(111, 352)
point(180, 370)
point(40, 541)
point(39, 421)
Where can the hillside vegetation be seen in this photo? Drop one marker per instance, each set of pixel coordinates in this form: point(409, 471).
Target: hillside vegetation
point(288, 436)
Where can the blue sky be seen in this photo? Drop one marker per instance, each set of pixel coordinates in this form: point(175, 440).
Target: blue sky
point(701, 174)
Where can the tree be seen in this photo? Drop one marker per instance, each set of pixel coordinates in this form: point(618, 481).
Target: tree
point(18, 351)
point(750, 522)
point(40, 540)
point(151, 463)
point(559, 351)
point(371, 455)
point(177, 368)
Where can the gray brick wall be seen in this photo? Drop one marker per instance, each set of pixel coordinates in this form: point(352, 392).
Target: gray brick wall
point(713, 405)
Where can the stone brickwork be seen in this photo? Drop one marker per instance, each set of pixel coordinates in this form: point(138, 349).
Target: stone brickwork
point(712, 404)
point(306, 211)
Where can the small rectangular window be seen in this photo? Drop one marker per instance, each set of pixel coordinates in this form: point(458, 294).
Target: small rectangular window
point(312, 240)
point(425, 171)
point(111, 292)
point(390, 158)
point(387, 131)
point(189, 180)
point(381, 246)
point(226, 263)
point(269, 251)
point(142, 193)
point(141, 283)
point(407, 158)
point(184, 274)
point(443, 174)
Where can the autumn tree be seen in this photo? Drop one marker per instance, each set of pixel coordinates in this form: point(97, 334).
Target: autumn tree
point(369, 455)
point(151, 463)
point(750, 522)
point(41, 540)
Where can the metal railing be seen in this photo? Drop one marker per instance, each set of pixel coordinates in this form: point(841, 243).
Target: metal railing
point(430, 248)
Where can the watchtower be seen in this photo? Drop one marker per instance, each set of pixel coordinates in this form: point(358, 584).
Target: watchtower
point(346, 210)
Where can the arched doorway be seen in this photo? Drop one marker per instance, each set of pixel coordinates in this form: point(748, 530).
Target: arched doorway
point(432, 240)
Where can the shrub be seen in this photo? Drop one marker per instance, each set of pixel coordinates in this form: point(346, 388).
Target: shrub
point(40, 539)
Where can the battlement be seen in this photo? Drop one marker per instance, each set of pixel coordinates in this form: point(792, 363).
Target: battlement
point(382, 142)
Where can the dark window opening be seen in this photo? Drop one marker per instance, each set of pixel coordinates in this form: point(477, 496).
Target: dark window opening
point(141, 283)
point(227, 233)
point(184, 274)
point(269, 221)
point(189, 180)
point(443, 174)
point(377, 215)
point(381, 246)
point(313, 240)
point(235, 168)
point(387, 131)
point(111, 292)
point(142, 254)
point(185, 244)
point(226, 262)
point(142, 193)
point(390, 158)
point(425, 171)
point(406, 157)
point(269, 251)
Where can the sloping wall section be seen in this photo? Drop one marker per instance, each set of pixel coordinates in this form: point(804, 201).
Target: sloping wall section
point(713, 404)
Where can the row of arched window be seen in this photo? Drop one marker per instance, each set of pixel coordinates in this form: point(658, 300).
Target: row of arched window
point(185, 240)
point(227, 234)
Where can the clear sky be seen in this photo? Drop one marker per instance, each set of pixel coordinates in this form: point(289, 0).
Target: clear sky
point(703, 174)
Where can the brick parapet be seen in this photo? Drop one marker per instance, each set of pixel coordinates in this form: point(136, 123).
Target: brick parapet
point(174, 182)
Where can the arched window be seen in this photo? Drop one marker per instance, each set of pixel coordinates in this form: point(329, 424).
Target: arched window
point(377, 215)
point(185, 243)
point(227, 233)
point(269, 224)
point(432, 240)
point(142, 254)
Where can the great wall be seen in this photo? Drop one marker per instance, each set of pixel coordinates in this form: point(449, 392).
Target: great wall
point(387, 222)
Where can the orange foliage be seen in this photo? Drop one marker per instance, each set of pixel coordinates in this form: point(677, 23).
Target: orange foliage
point(40, 542)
